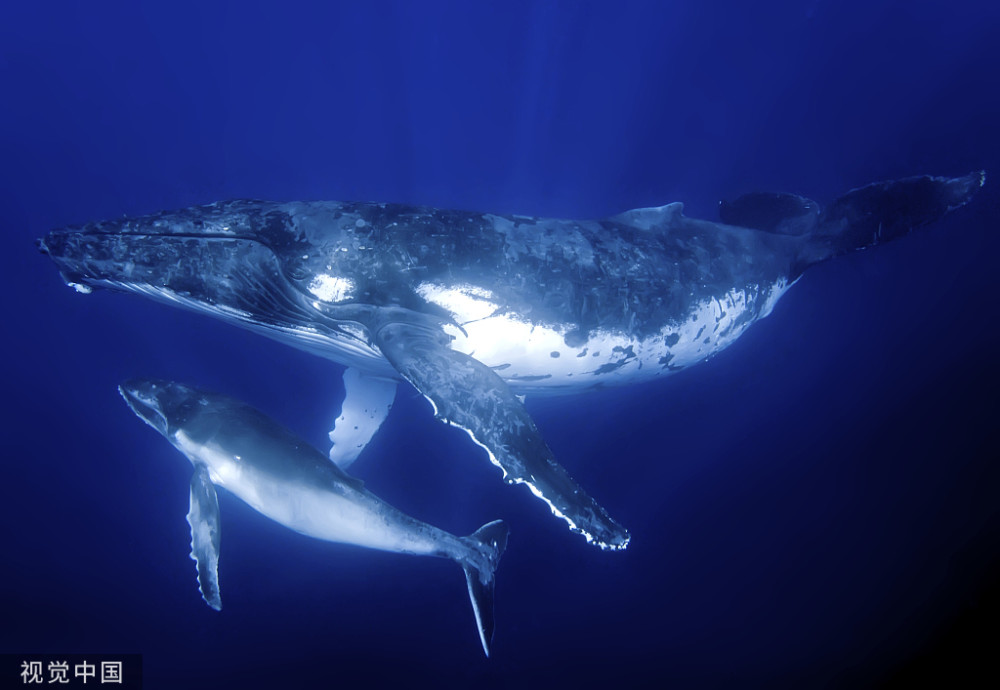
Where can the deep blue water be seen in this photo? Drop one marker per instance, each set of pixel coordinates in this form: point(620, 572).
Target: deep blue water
point(817, 506)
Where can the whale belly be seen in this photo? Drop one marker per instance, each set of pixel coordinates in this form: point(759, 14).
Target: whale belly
point(344, 514)
point(536, 358)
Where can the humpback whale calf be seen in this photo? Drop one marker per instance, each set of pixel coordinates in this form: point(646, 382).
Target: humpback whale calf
point(234, 446)
point(476, 310)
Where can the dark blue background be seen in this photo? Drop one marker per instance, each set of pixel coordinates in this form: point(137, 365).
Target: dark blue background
point(815, 506)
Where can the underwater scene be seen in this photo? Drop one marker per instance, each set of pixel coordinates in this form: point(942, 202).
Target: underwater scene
point(416, 344)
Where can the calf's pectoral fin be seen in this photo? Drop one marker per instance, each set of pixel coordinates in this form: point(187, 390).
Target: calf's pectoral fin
point(203, 517)
point(367, 401)
point(469, 395)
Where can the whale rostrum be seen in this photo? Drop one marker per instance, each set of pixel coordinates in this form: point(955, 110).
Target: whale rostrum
point(476, 310)
point(236, 447)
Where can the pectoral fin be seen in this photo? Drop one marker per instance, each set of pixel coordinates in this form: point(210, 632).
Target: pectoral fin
point(468, 394)
point(205, 535)
point(367, 401)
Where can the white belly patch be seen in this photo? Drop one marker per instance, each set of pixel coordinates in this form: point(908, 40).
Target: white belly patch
point(535, 357)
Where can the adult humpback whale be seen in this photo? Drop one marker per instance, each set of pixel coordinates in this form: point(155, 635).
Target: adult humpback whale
point(279, 475)
point(477, 309)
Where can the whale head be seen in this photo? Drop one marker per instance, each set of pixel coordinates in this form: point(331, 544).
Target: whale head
point(225, 256)
point(164, 405)
point(254, 263)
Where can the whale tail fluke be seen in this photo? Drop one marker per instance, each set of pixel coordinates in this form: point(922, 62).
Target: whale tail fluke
point(490, 540)
point(884, 211)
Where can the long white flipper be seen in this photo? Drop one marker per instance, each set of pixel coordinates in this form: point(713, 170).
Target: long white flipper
point(205, 535)
point(367, 401)
point(468, 394)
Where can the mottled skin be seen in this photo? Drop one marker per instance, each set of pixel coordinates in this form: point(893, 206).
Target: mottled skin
point(645, 285)
point(577, 275)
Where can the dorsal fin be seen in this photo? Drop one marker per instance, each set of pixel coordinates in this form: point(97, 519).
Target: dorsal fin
point(653, 216)
point(783, 214)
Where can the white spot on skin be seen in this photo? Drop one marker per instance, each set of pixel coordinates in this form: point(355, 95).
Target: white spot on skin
point(81, 288)
point(331, 288)
point(465, 302)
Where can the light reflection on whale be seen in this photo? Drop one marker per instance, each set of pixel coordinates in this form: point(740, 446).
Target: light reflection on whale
point(476, 310)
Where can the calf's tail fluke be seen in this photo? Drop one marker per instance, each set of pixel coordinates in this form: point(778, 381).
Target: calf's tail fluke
point(884, 211)
point(489, 541)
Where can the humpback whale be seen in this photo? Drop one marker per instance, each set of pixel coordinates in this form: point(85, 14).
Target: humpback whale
point(235, 446)
point(477, 310)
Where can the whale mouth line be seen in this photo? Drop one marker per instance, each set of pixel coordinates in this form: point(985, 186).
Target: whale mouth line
point(93, 257)
point(144, 233)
